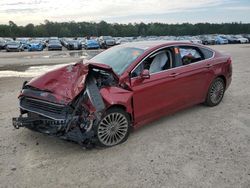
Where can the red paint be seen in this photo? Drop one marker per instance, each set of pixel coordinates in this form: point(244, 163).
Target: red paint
point(144, 99)
point(64, 83)
point(118, 96)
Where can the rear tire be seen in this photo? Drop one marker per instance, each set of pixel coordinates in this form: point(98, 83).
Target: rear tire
point(216, 92)
point(113, 129)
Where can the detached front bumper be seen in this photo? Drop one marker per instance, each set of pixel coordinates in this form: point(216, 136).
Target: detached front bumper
point(56, 128)
point(73, 122)
point(46, 126)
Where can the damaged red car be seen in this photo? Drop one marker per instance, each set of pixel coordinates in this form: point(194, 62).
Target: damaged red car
point(99, 101)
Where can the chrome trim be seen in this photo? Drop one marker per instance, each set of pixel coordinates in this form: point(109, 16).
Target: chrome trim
point(39, 100)
point(174, 67)
point(40, 113)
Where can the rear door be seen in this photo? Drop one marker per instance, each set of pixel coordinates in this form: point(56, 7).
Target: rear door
point(195, 71)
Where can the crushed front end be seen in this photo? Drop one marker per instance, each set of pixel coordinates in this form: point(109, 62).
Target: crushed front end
point(45, 111)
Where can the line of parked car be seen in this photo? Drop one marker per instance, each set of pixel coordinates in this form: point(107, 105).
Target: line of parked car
point(55, 43)
point(211, 39)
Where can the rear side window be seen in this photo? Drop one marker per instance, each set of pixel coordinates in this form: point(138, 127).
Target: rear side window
point(207, 53)
point(190, 55)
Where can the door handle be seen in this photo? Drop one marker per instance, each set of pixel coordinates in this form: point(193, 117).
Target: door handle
point(174, 74)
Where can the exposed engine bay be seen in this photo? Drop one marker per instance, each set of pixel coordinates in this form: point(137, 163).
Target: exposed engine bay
point(103, 78)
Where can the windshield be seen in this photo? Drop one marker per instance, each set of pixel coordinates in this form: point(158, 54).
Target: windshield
point(13, 43)
point(21, 40)
point(73, 41)
point(107, 37)
point(34, 41)
point(119, 58)
point(54, 41)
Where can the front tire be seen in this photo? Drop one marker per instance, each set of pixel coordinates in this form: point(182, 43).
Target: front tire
point(113, 128)
point(216, 92)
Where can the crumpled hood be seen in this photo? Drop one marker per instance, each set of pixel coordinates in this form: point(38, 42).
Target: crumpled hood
point(64, 83)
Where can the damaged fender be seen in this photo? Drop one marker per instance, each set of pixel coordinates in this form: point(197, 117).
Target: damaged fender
point(118, 96)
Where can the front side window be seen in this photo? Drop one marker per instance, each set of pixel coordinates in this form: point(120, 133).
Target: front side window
point(157, 62)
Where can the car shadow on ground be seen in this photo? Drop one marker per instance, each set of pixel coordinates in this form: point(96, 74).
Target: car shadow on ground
point(54, 144)
point(163, 121)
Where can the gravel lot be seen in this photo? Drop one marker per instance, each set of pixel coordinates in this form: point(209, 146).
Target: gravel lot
point(197, 147)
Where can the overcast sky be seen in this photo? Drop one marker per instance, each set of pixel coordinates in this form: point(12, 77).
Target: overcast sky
point(23, 12)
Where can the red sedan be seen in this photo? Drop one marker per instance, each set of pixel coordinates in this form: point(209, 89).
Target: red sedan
point(100, 100)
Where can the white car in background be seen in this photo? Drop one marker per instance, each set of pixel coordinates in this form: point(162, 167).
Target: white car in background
point(242, 39)
point(123, 41)
point(195, 40)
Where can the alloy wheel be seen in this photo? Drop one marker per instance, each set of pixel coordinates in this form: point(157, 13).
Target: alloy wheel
point(112, 129)
point(217, 92)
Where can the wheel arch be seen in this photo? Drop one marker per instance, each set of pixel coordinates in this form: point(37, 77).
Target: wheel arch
point(208, 101)
point(211, 81)
point(124, 108)
point(119, 98)
point(223, 78)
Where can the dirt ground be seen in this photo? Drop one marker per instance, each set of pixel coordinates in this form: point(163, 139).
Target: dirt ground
point(197, 147)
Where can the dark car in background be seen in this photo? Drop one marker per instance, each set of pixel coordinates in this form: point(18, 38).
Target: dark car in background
point(207, 40)
point(24, 42)
point(231, 39)
point(64, 41)
point(73, 45)
point(14, 46)
point(2, 44)
point(54, 44)
point(106, 41)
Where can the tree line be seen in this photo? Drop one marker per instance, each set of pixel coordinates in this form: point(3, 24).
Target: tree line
point(80, 29)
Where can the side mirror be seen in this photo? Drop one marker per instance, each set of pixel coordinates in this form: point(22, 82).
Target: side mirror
point(145, 74)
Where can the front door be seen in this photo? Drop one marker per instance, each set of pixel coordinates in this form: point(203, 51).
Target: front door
point(157, 95)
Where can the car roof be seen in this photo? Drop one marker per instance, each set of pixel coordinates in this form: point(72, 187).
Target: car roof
point(152, 44)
